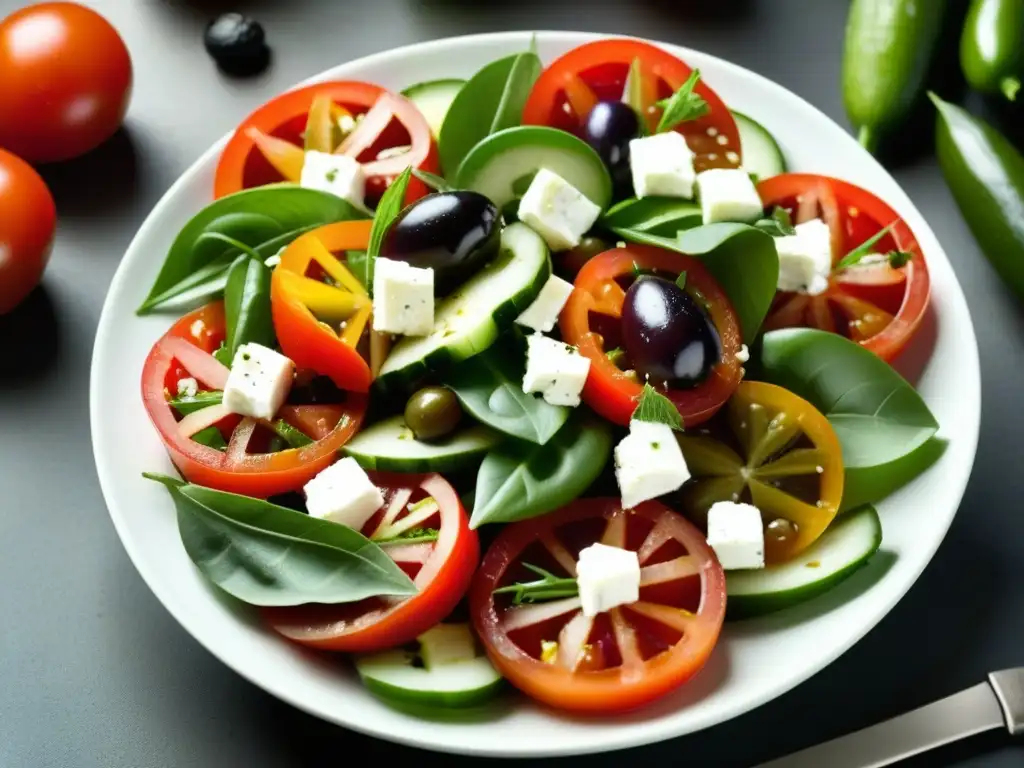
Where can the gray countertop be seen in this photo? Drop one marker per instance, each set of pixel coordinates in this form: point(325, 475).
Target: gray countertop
point(94, 672)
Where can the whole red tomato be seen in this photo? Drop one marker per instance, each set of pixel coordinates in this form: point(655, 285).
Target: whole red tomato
point(65, 80)
point(27, 220)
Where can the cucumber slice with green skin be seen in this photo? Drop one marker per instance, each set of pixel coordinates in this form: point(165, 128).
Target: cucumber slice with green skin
point(845, 547)
point(501, 166)
point(433, 99)
point(470, 319)
point(762, 155)
point(390, 446)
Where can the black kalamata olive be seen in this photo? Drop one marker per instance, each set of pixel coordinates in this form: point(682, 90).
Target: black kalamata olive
point(453, 233)
point(667, 335)
point(608, 129)
point(237, 43)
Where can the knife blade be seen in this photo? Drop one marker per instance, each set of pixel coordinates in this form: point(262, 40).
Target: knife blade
point(998, 702)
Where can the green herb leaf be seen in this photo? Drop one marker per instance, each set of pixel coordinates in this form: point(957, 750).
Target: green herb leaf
point(898, 259)
point(412, 536)
point(490, 387)
point(390, 205)
point(246, 307)
point(633, 92)
point(653, 407)
point(878, 417)
point(681, 281)
point(295, 438)
point(263, 219)
point(520, 480)
point(211, 437)
point(664, 216)
point(683, 105)
point(862, 250)
point(778, 225)
point(491, 100)
point(358, 264)
point(268, 555)
point(616, 356)
point(186, 405)
point(432, 180)
point(549, 587)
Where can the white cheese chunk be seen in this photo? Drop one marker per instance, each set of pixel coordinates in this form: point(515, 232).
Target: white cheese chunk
point(554, 369)
point(557, 211)
point(259, 381)
point(343, 493)
point(743, 355)
point(403, 298)
point(338, 174)
point(662, 165)
point(607, 577)
point(728, 194)
point(736, 533)
point(543, 313)
point(805, 259)
point(188, 387)
point(648, 463)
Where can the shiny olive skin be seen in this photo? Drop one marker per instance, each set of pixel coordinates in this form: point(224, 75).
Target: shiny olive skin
point(237, 43)
point(608, 129)
point(432, 412)
point(567, 264)
point(668, 337)
point(453, 233)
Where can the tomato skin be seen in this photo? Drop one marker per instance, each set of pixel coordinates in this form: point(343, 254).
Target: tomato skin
point(27, 221)
point(66, 83)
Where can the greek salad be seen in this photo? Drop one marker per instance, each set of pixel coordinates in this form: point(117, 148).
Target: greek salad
point(537, 378)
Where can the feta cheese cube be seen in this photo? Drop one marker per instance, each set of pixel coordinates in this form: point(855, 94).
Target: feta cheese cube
point(259, 381)
point(728, 194)
point(662, 165)
point(338, 174)
point(559, 212)
point(554, 369)
point(403, 298)
point(736, 533)
point(343, 493)
point(543, 313)
point(648, 463)
point(805, 259)
point(607, 577)
point(188, 387)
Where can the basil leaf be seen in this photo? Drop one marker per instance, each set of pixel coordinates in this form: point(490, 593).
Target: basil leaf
point(878, 417)
point(684, 105)
point(491, 100)
point(264, 219)
point(211, 437)
point(390, 205)
point(246, 307)
point(432, 180)
point(268, 555)
point(867, 485)
point(663, 216)
point(358, 265)
point(490, 387)
point(654, 408)
point(520, 480)
point(779, 224)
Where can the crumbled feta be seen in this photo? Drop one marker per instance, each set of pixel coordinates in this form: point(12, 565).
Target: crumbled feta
point(188, 387)
point(805, 259)
point(554, 369)
point(259, 381)
point(343, 493)
point(736, 533)
point(403, 298)
point(543, 313)
point(607, 577)
point(340, 175)
point(662, 165)
point(559, 212)
point(743, 355)
point(728, 194)
point(648, 463)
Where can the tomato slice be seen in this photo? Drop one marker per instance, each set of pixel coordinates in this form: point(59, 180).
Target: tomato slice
point(591, 318)
point(876, 305)
point(774, 450)
point(618, 660)
point(186, 351)
point(569, 88)
point(441, 571)
point(268, 146)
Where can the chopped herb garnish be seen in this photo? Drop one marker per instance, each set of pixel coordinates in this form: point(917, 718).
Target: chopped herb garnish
point(616, 356)
point(653, 407)
point(898, 259)
point(779, 224)
point(331, 175)
point(681, 280)
point(548, 587)
point(412, 536)
point(864, 249)
point(683, 105)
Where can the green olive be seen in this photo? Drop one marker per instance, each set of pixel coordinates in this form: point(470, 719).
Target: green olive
point(432, 412)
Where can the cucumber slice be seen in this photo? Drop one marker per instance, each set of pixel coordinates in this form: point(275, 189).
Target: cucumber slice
point(847, 545)
point(469, 320)
point(433, 99)
point(762, 155)
point(389, 445)
point(501, 166)
point(395, 677)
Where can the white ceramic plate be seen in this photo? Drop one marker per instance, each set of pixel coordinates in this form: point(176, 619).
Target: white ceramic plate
point(754, 663)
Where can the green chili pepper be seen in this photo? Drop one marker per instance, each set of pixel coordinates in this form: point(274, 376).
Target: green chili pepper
point(985, 173)
point(246, 307)
point(992, 46)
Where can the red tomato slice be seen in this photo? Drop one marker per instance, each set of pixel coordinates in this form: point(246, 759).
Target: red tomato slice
point(185, 351)
point(618, 660)
point(441, 571)
point(568, 89)
point(875, 305)
point(592, 315)
point(389, 121)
